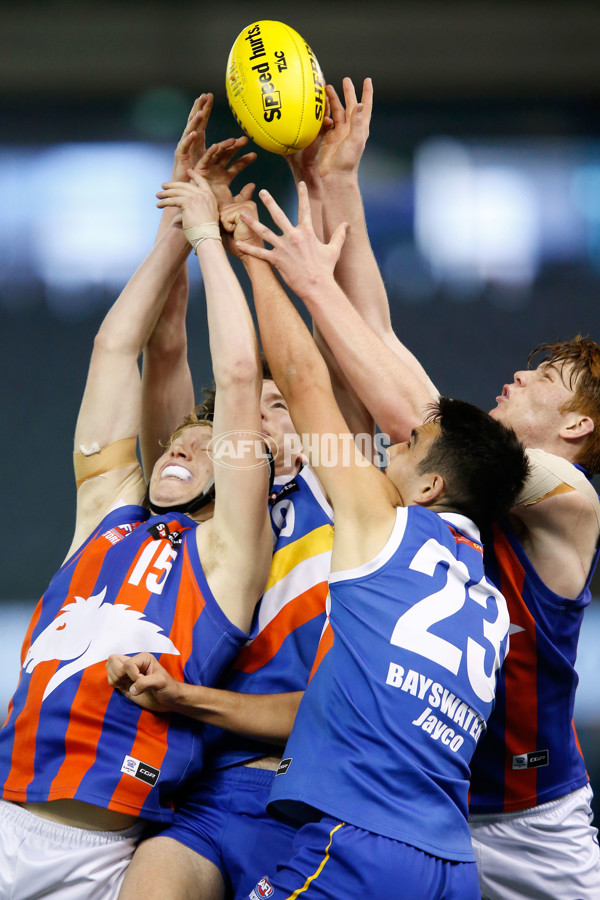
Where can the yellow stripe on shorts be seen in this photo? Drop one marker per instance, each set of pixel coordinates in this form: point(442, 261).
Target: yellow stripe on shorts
point(311, 878)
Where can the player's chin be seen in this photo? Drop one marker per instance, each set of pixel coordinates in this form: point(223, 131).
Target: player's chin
point(170, 495)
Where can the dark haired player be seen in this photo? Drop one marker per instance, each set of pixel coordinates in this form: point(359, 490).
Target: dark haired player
point(530, 795)
point(376, 769)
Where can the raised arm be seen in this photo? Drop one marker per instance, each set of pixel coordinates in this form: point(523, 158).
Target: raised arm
point(110, 409)
point(305, 167)
point(167, 388)
point(235, 546)
point(359, 492)
point(359, 277)
point(381, 375)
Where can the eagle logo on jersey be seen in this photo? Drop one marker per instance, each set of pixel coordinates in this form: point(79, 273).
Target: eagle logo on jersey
point(87, 631)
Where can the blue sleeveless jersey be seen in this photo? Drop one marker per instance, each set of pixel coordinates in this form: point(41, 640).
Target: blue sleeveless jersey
point(387, 727)
point(530, 754)
point(291, 613)
point(135, 585)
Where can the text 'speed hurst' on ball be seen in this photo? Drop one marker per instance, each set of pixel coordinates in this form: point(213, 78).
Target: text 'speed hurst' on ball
point(275, 87)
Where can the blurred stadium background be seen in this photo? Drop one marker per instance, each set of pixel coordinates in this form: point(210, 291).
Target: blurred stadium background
point(481, 183)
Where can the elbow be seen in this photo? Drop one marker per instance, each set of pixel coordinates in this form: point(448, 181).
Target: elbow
point(300, 373)
point(242, 372)
point(110, 341)
point(397, 420)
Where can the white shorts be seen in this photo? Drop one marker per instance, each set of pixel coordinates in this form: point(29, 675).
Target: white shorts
point(547, 852)
point(40, 858)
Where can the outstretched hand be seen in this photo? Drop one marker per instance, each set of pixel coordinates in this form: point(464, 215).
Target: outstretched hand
point(142, 679)
point(194, 198)
point(343, 145)
point(305, 163)
point(192, 143)
point(217, 167)
point(301, 258)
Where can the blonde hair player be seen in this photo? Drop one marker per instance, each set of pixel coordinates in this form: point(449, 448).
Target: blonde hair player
point(179, 575)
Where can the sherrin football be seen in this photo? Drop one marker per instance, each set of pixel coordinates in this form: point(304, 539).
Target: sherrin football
point(275, 87)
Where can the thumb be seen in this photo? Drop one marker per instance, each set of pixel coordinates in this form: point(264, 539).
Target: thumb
point(338, 237)
point(247, 191)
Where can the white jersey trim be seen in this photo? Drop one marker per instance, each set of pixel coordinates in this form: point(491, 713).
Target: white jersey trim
point(314, 485)
point(463, 524)
point(298, 580)
point(384, 555)
point(316, 488)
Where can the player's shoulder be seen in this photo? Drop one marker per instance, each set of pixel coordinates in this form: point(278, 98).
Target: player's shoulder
point(556, 521)
point(557, 495)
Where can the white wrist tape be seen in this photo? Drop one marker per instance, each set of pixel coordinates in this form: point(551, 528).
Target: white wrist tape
point(198, 233)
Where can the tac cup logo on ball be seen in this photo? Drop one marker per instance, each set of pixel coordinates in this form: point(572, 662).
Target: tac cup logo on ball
point(275, 87)
point(242, 449)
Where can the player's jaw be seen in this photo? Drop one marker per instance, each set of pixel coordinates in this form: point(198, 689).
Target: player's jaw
point(278, 428)
point(184, 469)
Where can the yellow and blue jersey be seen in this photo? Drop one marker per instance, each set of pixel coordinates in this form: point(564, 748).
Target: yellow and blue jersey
point(291, 614)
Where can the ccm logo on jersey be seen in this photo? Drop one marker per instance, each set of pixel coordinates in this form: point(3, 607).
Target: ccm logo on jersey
point(531, 760)
point(263, 889)
point(141, 770)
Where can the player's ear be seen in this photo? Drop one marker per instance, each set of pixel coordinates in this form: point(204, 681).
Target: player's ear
point(576, 426)
point(432, 487)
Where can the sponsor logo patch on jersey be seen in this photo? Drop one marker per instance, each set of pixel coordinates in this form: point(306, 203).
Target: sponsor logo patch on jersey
point(114, 535)
point(161, 532)
point(532, 760)
point(284, 766)
point(263, 889)
point(138, 769)
point(290, 487)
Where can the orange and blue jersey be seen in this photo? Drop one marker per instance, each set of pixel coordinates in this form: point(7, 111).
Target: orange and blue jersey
point(291, 615)
point(136, 584)
point(530, 753)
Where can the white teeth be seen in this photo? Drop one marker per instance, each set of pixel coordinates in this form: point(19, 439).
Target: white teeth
point(176, 472)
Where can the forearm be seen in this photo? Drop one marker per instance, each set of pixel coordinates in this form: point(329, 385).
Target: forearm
point(110, 408)
point(357, 271)
point(132, 318)
point(265, 717)
point(233, 343)
point(167, 389)
point(394, 396)
point(293, 357)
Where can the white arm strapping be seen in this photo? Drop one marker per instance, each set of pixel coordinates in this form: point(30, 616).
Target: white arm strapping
point(548, 473)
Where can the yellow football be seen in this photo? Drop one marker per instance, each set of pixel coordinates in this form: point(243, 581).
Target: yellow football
point(275, 87)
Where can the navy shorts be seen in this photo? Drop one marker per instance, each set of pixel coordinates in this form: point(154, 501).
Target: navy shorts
point(224, 819)
point(332, 860)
